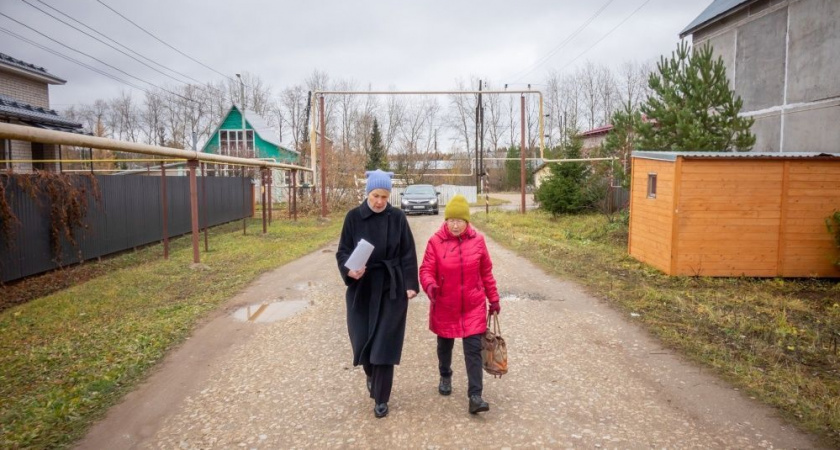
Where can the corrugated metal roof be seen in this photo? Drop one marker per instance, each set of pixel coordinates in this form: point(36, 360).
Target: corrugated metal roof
point(42, 116)
point(716, 9)
point(672, 156)
point(31, 68)
point(265, 131)
point(595, 131)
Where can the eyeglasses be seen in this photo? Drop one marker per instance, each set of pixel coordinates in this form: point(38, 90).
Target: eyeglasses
point(460, 222)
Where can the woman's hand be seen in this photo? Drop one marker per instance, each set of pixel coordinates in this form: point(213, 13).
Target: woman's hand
point(411, 293)
point(356, 274)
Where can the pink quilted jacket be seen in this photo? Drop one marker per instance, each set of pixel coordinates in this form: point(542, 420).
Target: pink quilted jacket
point(457, 275)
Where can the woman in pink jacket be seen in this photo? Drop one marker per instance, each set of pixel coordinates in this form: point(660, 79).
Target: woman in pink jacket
point(457, 275)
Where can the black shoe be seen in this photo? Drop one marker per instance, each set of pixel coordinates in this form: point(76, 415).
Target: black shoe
point(478, 405)
point(445, 386)
point(370, 385)
point(380, 410)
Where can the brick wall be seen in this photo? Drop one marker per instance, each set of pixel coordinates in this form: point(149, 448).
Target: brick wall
point(29, 91)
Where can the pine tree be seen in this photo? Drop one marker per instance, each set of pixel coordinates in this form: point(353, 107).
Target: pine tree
point(620, 143)
point(692, 107)
point(563, 190)
point(377, 158)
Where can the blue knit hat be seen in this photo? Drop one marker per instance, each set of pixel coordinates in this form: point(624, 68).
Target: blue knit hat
point(377, 179)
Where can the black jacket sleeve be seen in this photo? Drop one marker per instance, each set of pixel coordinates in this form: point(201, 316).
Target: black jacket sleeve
point(408, 257)
point(346, 244)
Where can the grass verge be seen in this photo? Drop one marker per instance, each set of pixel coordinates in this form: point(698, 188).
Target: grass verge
point(777, 339)
point(68, 356)
point(492, 201)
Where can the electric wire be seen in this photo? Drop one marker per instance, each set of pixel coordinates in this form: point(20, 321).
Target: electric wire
point(199, 84)
point(110, 39)
point(605, 36)
point(96, 59)
point(161, 41)
point(73, 60)
point(542, 60)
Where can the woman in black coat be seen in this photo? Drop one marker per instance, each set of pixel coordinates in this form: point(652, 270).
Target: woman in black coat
point(377, 294)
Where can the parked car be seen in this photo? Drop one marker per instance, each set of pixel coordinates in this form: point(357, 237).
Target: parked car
point(420, 199)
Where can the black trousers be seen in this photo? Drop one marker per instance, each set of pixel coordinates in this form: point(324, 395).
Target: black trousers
point(472, 356)
point(383, 380)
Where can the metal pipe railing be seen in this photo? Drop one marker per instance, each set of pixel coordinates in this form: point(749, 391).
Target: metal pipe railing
point(32, 134)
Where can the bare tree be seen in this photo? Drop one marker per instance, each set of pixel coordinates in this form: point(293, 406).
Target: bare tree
point(588, 81)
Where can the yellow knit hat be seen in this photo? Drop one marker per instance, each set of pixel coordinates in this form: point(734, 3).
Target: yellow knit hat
point(457, 208)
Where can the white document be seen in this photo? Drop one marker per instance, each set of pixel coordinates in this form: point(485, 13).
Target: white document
point(360, 255)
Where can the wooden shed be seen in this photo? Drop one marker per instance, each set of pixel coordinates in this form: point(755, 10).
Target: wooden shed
point(733, 214)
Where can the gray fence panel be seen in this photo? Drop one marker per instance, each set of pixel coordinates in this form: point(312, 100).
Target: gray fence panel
point(128, 215)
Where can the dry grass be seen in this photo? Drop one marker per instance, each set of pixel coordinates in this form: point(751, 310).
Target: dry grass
point(69, 355)
point(776, 338)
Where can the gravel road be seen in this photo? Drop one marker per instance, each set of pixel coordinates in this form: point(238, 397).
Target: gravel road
point(581, 376)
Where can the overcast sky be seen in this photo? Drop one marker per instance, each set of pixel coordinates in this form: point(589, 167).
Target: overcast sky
point(407, 45)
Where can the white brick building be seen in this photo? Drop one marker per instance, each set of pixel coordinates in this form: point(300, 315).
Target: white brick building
point(25, 100)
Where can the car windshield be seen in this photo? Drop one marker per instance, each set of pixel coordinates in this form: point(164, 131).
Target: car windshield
point(420, 190)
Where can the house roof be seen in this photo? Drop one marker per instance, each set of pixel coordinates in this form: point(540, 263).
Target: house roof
point(259, 125)
point(14, 65)
point(36, 116)
point(672, 156)
point(717, 10)
point(265, 131)
point(596, 131)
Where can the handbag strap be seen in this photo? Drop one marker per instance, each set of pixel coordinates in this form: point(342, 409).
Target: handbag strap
point(494, 318)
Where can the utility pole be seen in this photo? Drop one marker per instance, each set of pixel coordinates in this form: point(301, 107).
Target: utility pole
point(481, 139)
point(477, 113)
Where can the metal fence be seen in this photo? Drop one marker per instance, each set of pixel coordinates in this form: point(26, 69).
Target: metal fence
point(447, 191)
point(128, 214)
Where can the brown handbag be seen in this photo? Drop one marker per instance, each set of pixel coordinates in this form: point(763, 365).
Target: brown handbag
point(493, 348)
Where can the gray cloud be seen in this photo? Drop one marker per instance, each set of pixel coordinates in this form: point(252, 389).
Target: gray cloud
point(407, 45)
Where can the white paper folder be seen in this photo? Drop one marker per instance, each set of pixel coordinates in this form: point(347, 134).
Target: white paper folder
point(360, 255)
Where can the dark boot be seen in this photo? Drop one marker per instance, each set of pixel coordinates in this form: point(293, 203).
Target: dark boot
point(380, 410)
point(445, 386)
point(478, 405)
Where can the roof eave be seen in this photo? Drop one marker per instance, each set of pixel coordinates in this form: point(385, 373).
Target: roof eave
point(691, 29)
point(49, 79)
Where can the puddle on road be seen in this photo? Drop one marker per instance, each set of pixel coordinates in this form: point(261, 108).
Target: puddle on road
point(269, 311)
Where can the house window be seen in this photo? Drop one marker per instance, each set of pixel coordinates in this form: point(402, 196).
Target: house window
point(38, 155)
point(236, 142)
point(5, 153)
point(651, 187)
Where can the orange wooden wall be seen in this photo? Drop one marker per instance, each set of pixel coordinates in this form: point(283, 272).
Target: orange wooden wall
point(650, 218)
point(813, 192)
point(736, 216)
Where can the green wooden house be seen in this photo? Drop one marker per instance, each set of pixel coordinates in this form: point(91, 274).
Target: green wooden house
point(248, 137)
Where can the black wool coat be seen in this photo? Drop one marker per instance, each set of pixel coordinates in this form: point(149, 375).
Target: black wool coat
point(377, 303)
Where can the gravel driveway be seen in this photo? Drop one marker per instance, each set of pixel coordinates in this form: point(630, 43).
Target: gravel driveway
point(581, 376)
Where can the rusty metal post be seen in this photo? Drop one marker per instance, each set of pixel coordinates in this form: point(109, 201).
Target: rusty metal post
point(244, 205)
point(164, 202)
point(323, 159)
point(289, 192)
point(204, 206)
point(193, 165)
point(294, 194)
point(270, 175)
point(522, 158)
point(263, 177)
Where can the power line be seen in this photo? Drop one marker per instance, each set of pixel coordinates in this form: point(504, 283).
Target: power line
point(542, 60)
point(108, 38)
point(160, 40)
point(605, 36)
point(94, 58)
point(73, 60)
point(199, 84)
point(97, 39)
